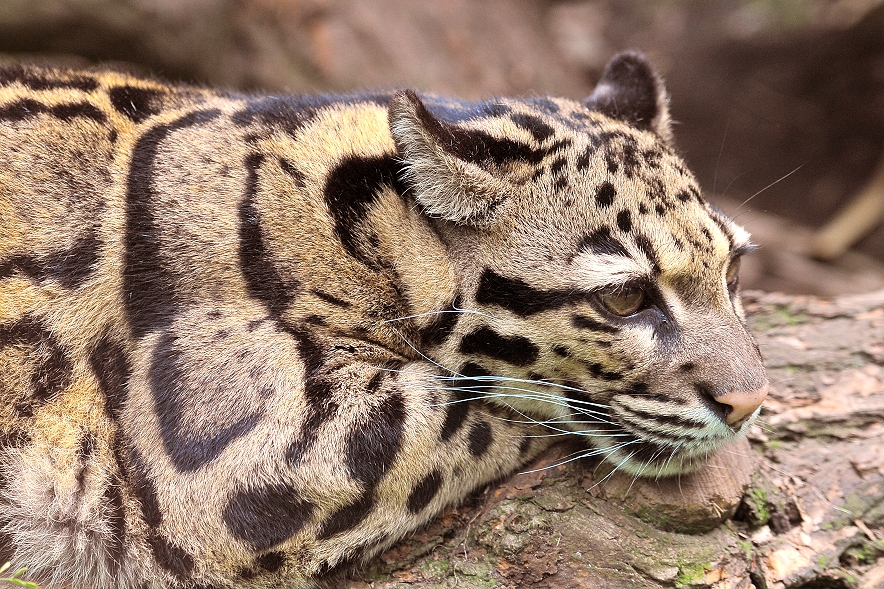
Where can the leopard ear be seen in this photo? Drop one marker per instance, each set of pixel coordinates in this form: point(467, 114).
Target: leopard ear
point(631, 90)
point(445, 183)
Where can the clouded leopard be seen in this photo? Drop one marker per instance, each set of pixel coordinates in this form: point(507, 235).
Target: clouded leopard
point(246, 338)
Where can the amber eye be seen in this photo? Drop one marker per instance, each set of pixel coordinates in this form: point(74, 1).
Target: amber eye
point(625, 301)
point(733, 274)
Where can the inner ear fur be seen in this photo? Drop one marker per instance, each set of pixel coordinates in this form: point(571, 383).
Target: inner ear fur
point(632, 91)
point(444, 184)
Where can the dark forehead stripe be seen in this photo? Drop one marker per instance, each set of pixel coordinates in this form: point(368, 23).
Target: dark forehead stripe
point(353, 186)
point(263, 279)
point(534, 125)
point(600, 241)
point(138, 104)
point(70, 268)
point(28, 108)
point(41, 81)
point(644, 244)
point(148, 285)
point(515, 350)
point(624, 221)
point(268, 515)
point(517, 296)
point(50, 365)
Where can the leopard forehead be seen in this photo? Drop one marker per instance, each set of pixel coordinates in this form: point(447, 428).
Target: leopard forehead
point(590, 189)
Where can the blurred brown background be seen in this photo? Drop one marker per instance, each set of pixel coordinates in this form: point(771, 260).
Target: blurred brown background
point(760, 89)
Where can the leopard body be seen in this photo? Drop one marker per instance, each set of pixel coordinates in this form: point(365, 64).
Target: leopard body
point(244, 339)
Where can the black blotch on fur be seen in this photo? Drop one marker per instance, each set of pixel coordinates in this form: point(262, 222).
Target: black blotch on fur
point(331, 299)
point(515, 350)
point(644, 244)
point(36, 80)
point(424, 491)
point(524, 445)
point(136, 103)
point(605, 194)
point(624, 221)
point(440, 328)
point(371, 449)
point(347, 517)
point(642, 208)
point(534, 125)
point(70, 268)
point(171, 557)
point(583, 159)
point(265, 516)
point(270, 562)
point(517, 296)
point(373, 445)
point(601, 241)
point(351, 190)
point(148, 285)
point(583, 322)
point(51, 367)
point(263, 279)
point(480, 438)
point(111, 367)
point(683, 196)
point(598, 371)
point(558, 165)
point(28, 108)
point(458, 407)
point(189, 445)
point(144, 488)
point(291, 113)
point(317, 394)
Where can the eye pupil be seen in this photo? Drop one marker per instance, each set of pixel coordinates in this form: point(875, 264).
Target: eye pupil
point(624, 302)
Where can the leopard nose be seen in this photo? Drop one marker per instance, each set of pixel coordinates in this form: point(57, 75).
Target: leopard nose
point(742, 404)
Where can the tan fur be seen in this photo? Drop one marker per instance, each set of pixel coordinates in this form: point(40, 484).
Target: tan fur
point(245, 339)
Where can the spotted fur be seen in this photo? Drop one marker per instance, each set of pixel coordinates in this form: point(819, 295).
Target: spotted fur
point(245, 339)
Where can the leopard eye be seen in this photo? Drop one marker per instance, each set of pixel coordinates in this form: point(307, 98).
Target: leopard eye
point(732, 276)
point(625, 301)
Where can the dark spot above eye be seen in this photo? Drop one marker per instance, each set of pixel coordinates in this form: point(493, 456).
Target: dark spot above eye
point(605, 194)
point(624, 221)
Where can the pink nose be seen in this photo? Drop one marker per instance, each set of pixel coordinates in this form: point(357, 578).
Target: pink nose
point(742, 404)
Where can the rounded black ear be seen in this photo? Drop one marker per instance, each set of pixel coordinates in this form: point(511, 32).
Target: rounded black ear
point(631, 90)
point(445, 184)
